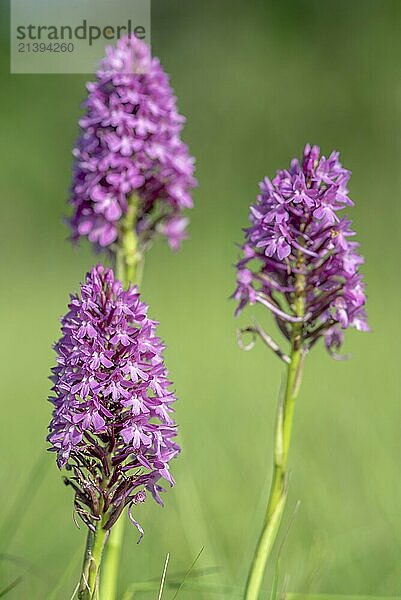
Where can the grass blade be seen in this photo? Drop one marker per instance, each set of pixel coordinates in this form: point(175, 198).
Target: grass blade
point(188, 572)
point(159, 597)
point(10, 587)
point(337, 597)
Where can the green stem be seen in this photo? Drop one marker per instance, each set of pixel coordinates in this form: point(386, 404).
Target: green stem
point(129, 267)
point(89, 583)
point(129, 259)
point(112, 560)
point(278, 489)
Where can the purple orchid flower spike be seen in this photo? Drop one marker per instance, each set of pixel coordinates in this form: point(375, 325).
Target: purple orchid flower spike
point(130, 147)
point(300, 262)
point(112, 427)
point(296, 229)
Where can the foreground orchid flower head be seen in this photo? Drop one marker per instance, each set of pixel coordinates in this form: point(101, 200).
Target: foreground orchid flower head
point(112, 425)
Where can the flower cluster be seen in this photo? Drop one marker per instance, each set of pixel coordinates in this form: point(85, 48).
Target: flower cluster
point(298, 239)
point(130, 145)
point(111, 422)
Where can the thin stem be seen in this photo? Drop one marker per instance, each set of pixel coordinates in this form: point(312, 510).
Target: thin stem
point(112, 560)
point(129, 268)
point(285, 413)
point(89, 583)
point(129, 259)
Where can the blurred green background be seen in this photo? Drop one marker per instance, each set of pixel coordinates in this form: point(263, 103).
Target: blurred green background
point(256, 80)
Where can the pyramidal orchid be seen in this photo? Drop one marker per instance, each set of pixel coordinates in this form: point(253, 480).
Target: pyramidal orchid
point(112, 427)
point(132, 171)
point(300, 261)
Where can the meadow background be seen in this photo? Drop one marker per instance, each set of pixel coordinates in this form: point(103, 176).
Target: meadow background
point(256, 80)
